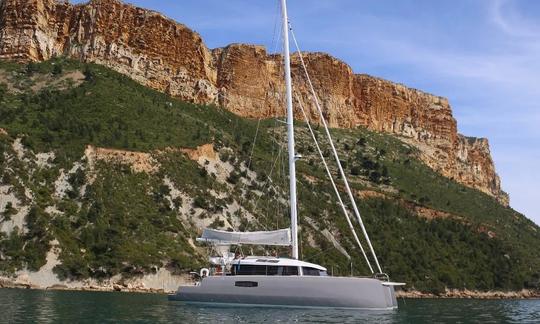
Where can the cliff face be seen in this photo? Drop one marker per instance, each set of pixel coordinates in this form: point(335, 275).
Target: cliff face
point(168, 56)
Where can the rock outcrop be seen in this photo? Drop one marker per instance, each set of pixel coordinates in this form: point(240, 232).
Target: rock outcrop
point(137, 161)
point(165, 55)
point(466, 293)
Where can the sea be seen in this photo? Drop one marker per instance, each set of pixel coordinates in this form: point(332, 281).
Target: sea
point(42, 306)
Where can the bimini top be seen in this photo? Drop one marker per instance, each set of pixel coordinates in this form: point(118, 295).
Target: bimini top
point(274, 261)
point(280, 237)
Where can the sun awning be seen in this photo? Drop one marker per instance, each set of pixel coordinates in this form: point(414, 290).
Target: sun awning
point(280, 237)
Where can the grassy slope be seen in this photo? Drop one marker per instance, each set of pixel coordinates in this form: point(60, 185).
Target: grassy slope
point(122, 224)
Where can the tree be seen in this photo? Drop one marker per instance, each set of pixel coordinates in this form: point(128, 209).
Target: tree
point(200, 202)
point(88, 74)
point(3, 90)
point(233, 178)
point(375, 176)
point(31, 68)
point(356, 170)
point(57, 69)
point(361, 142)
point(9, 211)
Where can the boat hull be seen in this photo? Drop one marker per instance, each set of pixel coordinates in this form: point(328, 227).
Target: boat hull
point(291, 291)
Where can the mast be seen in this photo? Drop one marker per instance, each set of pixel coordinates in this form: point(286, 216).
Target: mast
point(290, 131)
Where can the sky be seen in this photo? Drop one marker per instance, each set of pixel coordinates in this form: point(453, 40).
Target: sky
point(483, 55)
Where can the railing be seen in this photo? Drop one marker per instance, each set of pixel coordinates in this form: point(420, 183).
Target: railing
point(381, 276)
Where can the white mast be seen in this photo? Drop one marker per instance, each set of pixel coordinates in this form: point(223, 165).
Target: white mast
point(290, 131)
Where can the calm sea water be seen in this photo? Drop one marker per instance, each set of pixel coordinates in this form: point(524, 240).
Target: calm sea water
point(20, 306)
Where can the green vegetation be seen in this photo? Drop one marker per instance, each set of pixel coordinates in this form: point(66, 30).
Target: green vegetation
point(113, 220)
point(130, 232)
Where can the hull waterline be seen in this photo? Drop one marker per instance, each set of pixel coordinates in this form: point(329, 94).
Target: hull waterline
point(293, 291)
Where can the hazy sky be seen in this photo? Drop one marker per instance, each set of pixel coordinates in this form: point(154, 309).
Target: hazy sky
point(484, 55)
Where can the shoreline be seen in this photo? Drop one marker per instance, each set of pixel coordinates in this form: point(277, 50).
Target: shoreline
point(161, 282)
point(409, 294)
point(470, 294)
point(8, 284)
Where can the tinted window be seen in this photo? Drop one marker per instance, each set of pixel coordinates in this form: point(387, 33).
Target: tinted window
point(262, 270)
point(272, 270)
point(310, 271)
point(289, 271)
point(250, 270)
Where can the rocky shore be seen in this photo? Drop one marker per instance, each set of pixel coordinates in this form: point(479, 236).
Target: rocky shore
point(6, 283)
point(161, 282)
point(140, 287)
point(476, 294)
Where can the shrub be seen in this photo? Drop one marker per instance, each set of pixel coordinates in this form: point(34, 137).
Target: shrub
point(224, 156)
point(375, 176)
point(233, 178)
point(361, 142)
point(9, 211)
point(356, 170)
point(177, 202)
point(200, 202)
point(32, 68)
point(217, 223)
point(57, 69)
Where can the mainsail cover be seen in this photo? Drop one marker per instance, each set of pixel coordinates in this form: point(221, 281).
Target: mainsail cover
point(280, 237)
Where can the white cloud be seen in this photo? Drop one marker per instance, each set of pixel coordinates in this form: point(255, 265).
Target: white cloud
point(507, 17)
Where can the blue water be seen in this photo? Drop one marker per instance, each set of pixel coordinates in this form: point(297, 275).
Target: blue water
point(25, 306)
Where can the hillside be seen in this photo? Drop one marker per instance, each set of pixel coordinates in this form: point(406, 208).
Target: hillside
point(245, 79)
point(104, 178)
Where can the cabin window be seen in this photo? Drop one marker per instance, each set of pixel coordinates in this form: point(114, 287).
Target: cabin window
point(307, 271)
point(289, 271)
point(272, 270)
point(250, 270)
point(263, 270)
point(246, 284)
point(281, 271)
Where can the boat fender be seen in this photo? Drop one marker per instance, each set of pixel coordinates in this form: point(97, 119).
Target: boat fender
point(204, 272)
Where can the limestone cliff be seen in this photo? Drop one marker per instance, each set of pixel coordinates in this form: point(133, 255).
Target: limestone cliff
point(168, 56)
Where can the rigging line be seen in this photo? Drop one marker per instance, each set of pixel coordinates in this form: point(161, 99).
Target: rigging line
point(266, 184)
point(276, 28)
point(269, 178)
point(344, 209)
point(247, 174)
point(253, 146)
point(265, 101)
point(321, 252)
point(274, 44)
point(336, 156)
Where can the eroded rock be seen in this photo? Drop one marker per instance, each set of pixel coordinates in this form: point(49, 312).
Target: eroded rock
point(165, 55)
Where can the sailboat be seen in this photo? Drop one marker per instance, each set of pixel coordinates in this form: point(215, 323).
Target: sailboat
point(286, 282)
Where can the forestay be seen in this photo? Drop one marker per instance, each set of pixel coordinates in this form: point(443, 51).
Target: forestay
point(280, 237)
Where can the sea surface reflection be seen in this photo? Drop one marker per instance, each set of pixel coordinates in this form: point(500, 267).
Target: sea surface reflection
point(18, 306)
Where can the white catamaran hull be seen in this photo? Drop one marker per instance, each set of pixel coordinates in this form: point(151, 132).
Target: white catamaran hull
point(291, 291)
